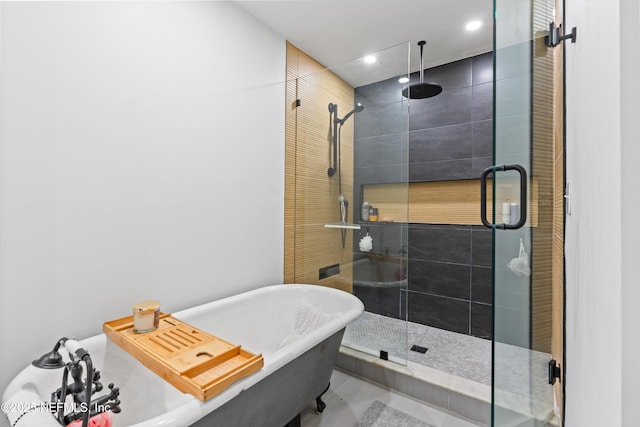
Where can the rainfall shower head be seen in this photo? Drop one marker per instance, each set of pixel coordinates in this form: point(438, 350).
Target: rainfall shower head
point(423, 89)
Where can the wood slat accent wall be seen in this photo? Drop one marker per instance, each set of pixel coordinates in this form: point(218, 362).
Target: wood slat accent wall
point(547, 144)
point(542, 165)
point(290, 163)
point(445, 202)
point(557, 279)
point(311, 196)
point(548, 154)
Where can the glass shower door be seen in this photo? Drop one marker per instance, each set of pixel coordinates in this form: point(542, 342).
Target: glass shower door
point(526, 215)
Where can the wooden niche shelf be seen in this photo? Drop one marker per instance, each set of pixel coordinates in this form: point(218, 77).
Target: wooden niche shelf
point(445, 202)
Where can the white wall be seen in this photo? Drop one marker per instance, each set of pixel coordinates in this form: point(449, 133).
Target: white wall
point(603, 264)
point(630, 152)
point(593, 235)
point(141, 157)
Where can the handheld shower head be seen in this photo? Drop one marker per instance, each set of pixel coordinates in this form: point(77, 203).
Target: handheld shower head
point(358, 108)
point(344, 208)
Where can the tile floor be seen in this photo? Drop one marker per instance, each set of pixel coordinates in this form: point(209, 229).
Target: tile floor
point(458, 354)
point(348, 398)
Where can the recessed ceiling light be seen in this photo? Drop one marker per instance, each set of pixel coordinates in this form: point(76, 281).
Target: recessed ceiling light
point(369, 59)
point(403, 80)
point(473, 25)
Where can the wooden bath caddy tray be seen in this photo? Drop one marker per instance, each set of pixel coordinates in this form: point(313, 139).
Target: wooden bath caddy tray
point(191, 360)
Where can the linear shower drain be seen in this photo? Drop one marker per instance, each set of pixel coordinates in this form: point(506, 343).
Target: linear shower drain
point(419, 349)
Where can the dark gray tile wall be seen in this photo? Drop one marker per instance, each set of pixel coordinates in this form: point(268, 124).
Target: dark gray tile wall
point(449, 281)
point(379, 278)
point(451, 135)
point(447, 137)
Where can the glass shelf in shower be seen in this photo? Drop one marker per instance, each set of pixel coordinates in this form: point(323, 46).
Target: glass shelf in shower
point(381, 223)
point(343, 226)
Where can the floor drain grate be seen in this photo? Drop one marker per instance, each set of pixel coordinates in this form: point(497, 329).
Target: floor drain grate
point(419, 349)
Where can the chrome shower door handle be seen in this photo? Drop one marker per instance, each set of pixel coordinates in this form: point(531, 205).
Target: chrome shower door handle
point(523, 196)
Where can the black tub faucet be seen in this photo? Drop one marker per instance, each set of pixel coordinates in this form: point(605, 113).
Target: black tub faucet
point(83, 407)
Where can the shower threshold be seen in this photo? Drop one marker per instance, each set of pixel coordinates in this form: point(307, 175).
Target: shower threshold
point(453, 374)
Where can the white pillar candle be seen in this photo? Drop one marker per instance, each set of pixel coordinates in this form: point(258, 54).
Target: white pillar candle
point(145, 316)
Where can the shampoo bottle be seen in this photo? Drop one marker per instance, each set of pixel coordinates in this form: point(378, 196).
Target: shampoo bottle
point(365, 211)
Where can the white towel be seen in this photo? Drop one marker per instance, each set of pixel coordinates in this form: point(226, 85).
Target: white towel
point(27, 407)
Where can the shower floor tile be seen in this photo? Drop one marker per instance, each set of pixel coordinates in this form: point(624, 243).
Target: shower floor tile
point(458, 354)
point(522, 377)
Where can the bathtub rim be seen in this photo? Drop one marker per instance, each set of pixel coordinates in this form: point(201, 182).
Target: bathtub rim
point(193, 409)
point(286, 354)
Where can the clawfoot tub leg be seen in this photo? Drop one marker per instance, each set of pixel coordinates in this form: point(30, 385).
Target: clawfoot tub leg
point(319, 403)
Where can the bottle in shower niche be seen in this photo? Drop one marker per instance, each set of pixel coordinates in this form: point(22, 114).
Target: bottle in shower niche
point(515, 213)
point(506, 213)
point(373, 214)
point(365, 211)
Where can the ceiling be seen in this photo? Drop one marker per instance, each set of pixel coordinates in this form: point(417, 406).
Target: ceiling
point(337, 32)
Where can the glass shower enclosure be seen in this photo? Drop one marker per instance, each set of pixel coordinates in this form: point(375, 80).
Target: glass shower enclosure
point(346, 202)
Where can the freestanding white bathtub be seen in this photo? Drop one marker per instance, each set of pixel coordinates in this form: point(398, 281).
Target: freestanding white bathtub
point(297, 329)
